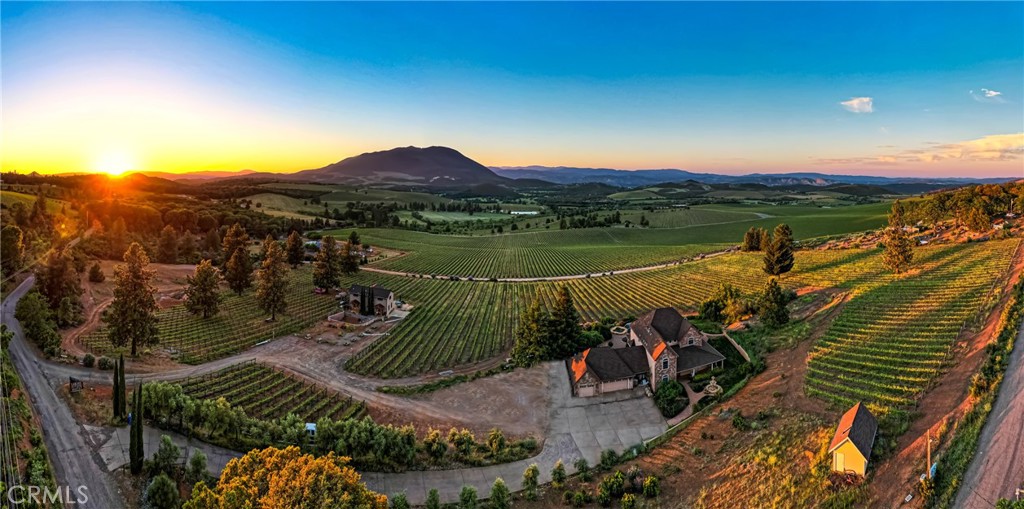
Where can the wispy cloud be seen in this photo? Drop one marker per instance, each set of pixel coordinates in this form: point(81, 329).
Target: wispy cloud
point(986, 95)
point(859, 105)
point(996, 147)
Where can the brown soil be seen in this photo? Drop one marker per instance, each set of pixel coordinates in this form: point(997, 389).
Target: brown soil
point(169, 281)
point(940, 407)
point(91, 406)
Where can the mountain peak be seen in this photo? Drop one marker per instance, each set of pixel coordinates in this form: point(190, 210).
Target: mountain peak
point(434, 166)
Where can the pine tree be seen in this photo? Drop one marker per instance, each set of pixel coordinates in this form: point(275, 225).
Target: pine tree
point(778, 254)
point(772, 305)
point(353, 238)
point(752, 240)
point(187, 247)
point(564, 327)
point(531, 334)
point(60, 283)
point(167, 247)
point(295, 248)
point(349, 259)
point(272, 279)
point(131, 318)
point(212, 243)
point(238, 272)
point(899, 251)
point(202, 295)
point(326, 265)
point(235, 239)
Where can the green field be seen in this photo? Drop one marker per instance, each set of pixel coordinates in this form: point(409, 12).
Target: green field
point(9, 198)
point(335, 194)
point(896, 334)
point(279, 205)
point(552, 252)
point(267, 393)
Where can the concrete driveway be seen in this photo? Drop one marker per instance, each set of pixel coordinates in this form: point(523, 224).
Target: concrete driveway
point(578, 427)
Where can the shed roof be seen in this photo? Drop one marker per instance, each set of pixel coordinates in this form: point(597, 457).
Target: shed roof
point(859, 427)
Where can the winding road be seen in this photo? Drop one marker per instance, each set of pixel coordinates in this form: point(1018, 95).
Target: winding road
point(74, 462)
point(997, 469)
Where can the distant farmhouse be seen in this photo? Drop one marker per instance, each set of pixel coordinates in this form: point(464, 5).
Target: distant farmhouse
point(661, 342)
point(854, 438)
point(367, 300)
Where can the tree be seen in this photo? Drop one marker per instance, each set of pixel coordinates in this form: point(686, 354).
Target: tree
point(295, 248)
point(467, 498)
point(187, 247)
point(196, 467)
point(353, 238)
point(12, 247)
point(400, 501)
point(272, 279)
point(564, 328)
point(531, 334)
point(118, 239)
point(772, 305)
point(501, 497)
point(201, 295)
point(96, 274)
point(165, 460)
point(531, 481)
point(235, 239)
point(122, 400)
point(131, 318)
point(238, 272)
point(558, 475)
point(117, 393)
point(433, 499)
point(37, 321)
point(162, 493)
point(211, 242)
point(326, 265)
point(58, 280)
point(899, 250)
point(136, 450)
point(273, 477)
point(752, 239)
point(349, 259)
point(167, 247)
point(977, 220)
point(778, 254)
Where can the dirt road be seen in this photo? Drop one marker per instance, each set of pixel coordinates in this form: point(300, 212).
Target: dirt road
point(998, 466)
point(74, 462)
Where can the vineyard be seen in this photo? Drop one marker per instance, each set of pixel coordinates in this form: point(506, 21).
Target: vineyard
point(238, 326)
point(553, 252)
point(268, 394)
point(895, 335)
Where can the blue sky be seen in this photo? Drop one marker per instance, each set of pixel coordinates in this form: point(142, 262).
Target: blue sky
point(931, 88)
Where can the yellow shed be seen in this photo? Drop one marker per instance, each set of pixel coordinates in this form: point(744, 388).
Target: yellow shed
point(851, 445)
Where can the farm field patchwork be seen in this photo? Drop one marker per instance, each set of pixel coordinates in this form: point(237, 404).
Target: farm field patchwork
point(895, 334)
point(549, 253)
point(267, 393)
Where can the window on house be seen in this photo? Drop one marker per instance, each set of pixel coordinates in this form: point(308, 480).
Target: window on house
point(664, 364)
point(664, 378)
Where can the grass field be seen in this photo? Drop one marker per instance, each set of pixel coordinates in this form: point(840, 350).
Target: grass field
point(279, 205)
point(896, 334)
point(267, 393)
point(548, 253)
point(9, 198)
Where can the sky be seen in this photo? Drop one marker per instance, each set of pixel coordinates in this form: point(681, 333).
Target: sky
point(895, 89)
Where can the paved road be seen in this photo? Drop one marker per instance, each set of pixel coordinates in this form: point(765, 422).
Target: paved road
point(74, 463)
point(998, 466)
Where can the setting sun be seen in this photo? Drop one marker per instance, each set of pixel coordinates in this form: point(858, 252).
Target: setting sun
point(114, 163)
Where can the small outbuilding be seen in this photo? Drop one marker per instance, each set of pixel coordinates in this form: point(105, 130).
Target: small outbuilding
point(854, 438)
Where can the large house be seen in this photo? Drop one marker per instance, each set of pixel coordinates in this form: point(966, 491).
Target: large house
point(854, 438)
point(661, 342)
point(380, 300)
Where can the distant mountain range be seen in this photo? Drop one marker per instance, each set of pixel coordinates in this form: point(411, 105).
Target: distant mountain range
point(447, 169)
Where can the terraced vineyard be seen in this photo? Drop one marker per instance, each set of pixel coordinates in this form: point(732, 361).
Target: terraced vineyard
point(895, 335)
point(237, 327)
point(549, 253)
point(268, 393)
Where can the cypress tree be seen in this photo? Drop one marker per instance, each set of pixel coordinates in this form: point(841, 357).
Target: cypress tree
point(778, 253)
point(136, 452)
point(122, 398)
point(117, 391)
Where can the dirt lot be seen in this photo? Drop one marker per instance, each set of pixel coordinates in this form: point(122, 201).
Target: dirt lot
point(169, 281)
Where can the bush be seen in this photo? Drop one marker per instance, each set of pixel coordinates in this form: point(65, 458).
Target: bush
point(558, 474)
point(741, 423)
point(670, 398)
point(399, 501)
point(88, 361)
point(609, 458)
point(96, 273)
point(629, 501)
point(583, 469)
point(651, 487)
point(105, 363)
point(580, 499)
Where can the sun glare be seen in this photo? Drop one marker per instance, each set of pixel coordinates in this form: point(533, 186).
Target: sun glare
point(114, 163)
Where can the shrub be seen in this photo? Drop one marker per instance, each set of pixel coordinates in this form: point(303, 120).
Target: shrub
point(105, 363)
point(670, 398)
point(629, 501)
point(583, 469)
point(399, 501)
point(531, 477)
point(433, 499)
point(741, 423)
point(604, 497)
point(609, 458)
point(88, 361)
point(651, 487)
point(580, 499)
point(96, 273)
point(467, 498)
point(558, 474)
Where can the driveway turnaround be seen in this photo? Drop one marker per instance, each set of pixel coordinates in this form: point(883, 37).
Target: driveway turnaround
point(579, 428)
